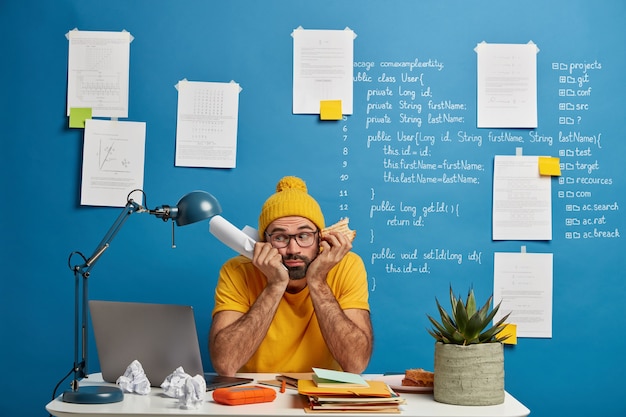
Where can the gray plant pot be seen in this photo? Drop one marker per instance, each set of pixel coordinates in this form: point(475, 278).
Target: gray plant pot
point(469, 375)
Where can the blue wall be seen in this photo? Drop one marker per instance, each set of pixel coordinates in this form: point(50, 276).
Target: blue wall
point(574, 373)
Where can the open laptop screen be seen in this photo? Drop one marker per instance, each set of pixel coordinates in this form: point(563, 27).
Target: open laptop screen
point(161, 337)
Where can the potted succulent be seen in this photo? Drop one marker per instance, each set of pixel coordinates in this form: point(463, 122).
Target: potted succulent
point(469, 355)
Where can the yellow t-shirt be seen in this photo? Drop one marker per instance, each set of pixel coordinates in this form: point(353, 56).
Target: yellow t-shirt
point(294, 342)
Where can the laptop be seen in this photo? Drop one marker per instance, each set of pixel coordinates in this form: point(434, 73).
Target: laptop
point(161, 337)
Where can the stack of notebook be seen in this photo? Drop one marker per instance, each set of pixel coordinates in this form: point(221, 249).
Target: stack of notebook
point(334, 391)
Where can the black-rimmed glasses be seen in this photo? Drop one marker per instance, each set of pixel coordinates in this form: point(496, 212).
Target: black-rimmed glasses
point(281, 240)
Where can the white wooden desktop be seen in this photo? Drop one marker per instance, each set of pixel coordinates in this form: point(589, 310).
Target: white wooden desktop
point(285, 404)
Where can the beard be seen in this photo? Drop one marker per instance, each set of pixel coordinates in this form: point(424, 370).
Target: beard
point(298, 272)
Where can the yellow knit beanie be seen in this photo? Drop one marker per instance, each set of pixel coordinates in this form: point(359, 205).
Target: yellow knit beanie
point(291, 199)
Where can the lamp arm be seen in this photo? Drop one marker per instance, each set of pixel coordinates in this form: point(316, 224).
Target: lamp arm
point(130, 208)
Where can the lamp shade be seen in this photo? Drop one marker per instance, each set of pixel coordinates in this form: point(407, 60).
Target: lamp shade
point(196, 206)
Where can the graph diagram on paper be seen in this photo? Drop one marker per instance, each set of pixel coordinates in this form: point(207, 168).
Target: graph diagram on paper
point(112, 157)
point(113, 161)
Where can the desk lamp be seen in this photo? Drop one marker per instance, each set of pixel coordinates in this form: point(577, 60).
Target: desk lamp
point(191, 208)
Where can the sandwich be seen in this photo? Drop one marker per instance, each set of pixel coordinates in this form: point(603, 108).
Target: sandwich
point(418, 377)
point(342, 227)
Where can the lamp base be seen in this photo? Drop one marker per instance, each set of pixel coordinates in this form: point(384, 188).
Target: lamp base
point(94, 395)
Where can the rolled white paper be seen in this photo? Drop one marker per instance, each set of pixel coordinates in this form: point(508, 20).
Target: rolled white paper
point(232, 237)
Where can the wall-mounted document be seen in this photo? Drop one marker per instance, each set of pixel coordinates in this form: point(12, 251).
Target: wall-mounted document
point(322, 69)
point(97, 75)
point(523, 282)
point(507, 85)
point(522, 199)
point(206, 124)
point(113, 161)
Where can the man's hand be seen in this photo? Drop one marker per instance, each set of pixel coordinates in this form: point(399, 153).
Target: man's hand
point(333, 247)
point(269, 261)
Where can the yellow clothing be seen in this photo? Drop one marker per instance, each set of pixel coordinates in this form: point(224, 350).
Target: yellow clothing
point(294, 342)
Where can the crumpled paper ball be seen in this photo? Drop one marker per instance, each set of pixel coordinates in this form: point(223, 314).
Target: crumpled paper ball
point(134, 379)
point(190, 391)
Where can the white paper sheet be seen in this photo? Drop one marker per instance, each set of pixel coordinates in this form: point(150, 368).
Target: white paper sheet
point(206, 126)
point(113, 161)
point(522, 200)
point(322, 69)
point(523, 282)
point(507, 85)
point(97, 75)
point(227, 233)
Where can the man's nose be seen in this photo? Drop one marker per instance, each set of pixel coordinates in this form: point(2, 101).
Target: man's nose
point(292, 246)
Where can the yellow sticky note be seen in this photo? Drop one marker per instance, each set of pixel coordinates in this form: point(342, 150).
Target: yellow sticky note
point(78, 115)
point(330, 110)
point(549, 166)
point(511, 331)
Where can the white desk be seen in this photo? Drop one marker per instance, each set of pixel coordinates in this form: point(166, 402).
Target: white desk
point(287, 404)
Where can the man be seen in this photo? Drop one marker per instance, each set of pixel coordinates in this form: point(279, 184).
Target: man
point(301, 302)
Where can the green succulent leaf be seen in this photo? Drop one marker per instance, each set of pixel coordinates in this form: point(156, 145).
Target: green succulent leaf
point(485, 308)
point(474, 326)
point(439, 332)
point(437, 327)
point(437, 336)
point(470, 304)
point(460, 316)
point(457, 338)
point(446, 320)
point(452, 297)
point(492, 333)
